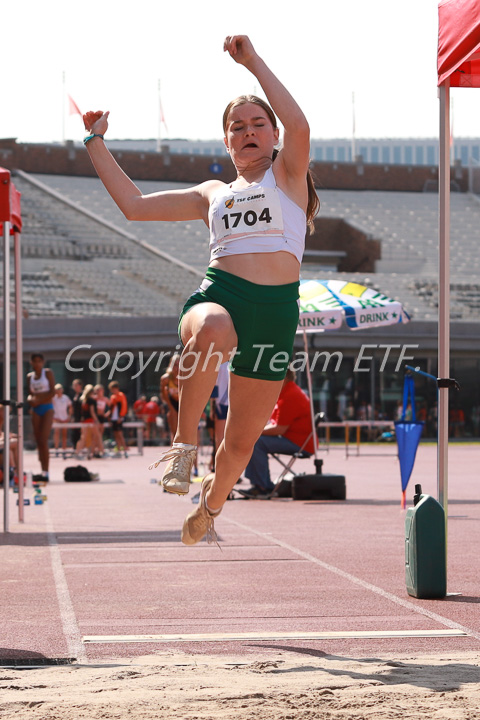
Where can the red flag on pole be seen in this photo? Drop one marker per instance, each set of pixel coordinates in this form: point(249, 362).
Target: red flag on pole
point(161, 114)
point(459, 43)
point(73, 108)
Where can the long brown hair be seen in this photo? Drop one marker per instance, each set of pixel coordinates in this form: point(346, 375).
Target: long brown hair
point(313, 204)
point(87, 391)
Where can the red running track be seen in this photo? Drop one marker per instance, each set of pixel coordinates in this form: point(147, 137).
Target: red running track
point(105, 559)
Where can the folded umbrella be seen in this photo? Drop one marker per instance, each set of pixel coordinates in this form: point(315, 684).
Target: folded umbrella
point(408, 434)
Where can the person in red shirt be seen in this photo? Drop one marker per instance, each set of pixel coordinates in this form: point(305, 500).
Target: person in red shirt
point(288, 428)
point(117, 413)
point(151, 410)
point(138, 406)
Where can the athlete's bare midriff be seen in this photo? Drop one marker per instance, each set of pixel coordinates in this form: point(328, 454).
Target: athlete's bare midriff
point(275, 268)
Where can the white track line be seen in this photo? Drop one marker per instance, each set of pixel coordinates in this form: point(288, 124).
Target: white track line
point(71, 631)
point(231, 637)
point(358, 581)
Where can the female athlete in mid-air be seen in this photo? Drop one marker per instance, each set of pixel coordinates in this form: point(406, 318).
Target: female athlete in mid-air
point(246, 308)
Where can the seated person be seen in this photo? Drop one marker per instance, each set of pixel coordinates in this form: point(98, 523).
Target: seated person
point(287, 430)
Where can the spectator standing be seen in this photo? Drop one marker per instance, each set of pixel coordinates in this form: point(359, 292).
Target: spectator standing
point(41, 383)
point(62, 413)
point(151, 410)
point(350, 411)
point(117, 414)
point(457, 422)
point(102, 408)
point(422, 413)
point(77, 387)
point(138, 407)
point(90, 436)
point(169, 393)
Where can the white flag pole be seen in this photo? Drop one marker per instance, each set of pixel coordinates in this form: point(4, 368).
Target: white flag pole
point(160, 119)
point(354, 149)
point(63, 107)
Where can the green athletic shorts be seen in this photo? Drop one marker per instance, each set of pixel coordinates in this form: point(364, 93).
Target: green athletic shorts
point(265, 318)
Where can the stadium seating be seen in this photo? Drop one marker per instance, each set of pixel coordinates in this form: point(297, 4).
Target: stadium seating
point(75, 264)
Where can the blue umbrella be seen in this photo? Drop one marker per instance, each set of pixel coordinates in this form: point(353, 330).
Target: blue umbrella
point(408, 434)
point(326, 304)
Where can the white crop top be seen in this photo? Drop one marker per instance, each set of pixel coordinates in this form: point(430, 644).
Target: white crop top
point(40, 384)
point(257, 219)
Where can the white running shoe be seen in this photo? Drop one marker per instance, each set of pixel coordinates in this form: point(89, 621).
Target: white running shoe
point(177, 475)
point(200, 522)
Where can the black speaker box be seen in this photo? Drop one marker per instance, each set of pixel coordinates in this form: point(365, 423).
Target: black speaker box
point(317, 486)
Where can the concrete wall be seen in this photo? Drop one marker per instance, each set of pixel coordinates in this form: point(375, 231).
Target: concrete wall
point(73, 160)
point(335, 234)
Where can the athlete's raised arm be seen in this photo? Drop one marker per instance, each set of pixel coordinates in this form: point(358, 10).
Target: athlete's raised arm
point(296, 142)
point(188, 204)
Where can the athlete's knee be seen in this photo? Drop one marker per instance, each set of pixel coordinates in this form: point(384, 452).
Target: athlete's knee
point(215, 332)
point(239, 444)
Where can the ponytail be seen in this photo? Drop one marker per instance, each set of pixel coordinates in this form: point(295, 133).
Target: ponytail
point(313, 203)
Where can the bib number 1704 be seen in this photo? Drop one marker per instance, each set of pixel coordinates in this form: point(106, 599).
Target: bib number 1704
point(250, 217)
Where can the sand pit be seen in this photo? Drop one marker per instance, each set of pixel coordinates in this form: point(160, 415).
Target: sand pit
point(282, 685)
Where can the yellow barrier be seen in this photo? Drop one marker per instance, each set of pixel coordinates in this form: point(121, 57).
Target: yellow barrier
point(347, 424)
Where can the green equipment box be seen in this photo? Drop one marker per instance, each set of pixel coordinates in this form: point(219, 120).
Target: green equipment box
point(425, 548)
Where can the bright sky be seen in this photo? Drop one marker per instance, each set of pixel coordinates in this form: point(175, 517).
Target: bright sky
point(113, 54)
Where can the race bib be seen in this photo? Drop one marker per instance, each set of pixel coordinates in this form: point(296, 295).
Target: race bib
point(249, 212)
